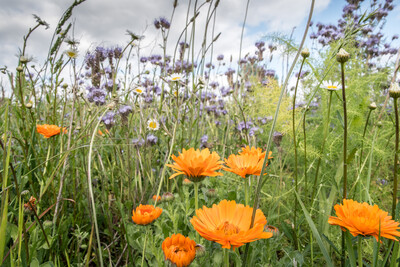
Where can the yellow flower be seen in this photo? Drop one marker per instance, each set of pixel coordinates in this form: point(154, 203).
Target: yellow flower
point(153, 125)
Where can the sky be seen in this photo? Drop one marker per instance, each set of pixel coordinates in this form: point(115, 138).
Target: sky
point(104, 22)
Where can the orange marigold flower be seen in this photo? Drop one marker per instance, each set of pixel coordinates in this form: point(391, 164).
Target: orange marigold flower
point(248, 162)
point(179, 250)
point(364, 219)
point(228, 224)
point(145, 214)
point(156, 198)
point(196, 164)
point(49, 130)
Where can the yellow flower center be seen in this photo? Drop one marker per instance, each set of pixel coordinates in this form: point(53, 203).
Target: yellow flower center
point(139, 91)
point(176, 78)
point(176, 93)
point(332, 87)
point(153, 125)
point(71, 54)
point(228, 228)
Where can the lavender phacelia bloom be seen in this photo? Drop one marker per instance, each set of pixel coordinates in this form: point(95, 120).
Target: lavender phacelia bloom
point(220, 57)
point(108, 119)
point(138, 142)
point(244, 125)
point(151, 139)
point(97, 95)
point(124, 111)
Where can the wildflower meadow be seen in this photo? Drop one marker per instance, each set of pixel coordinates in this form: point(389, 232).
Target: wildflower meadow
point(188, 156)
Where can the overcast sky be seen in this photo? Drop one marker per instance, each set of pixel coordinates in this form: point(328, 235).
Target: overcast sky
point(104, 22)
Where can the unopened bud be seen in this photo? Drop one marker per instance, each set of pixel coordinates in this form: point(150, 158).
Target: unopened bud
point(394, 90)
point(372, 106)
point(167, 196)
point(200, 250)
point(342, 56)
point(23, 60)
point(65, 86)
point(20, 68)
point(28, 105)
point(211, 192)
point(305, 53)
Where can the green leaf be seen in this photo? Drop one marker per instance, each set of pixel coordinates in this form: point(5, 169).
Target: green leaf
point(315, 232)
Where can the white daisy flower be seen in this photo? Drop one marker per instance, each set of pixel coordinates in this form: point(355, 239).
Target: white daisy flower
point(331, 86)
point(175, 77)
point(138, 90)
point(72, 53)
point(153, 125)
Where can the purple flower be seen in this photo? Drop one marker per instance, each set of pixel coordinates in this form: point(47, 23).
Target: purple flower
point(143, 59)
point(108, 119)
point(124, 111)
point(151, 139)
point(137, 142)
point(220, 57)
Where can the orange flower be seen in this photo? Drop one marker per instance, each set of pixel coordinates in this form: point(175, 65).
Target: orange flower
point(248, 162)
point(179, 250)
point(364, 219)
point(155, 197)
point(196, 164)
point(228, 224)
point(49, 130)
point(145, 214)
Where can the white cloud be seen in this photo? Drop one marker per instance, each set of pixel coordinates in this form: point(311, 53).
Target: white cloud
point(105, 22)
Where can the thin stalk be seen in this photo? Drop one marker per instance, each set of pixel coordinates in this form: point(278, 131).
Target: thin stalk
point(359, 251)
point(362, 140)
point(260, 181)
point(296, 181)
point(91, 190)
point(396, 115)
point(343, 260)
point(144, 247)
point(323, 145)
point(196, 204)
point(246, 191)
point(226, 257)
point(305, 154)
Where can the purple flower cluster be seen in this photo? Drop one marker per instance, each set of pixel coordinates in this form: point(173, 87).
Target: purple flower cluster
point(161, 23)
point(369, 38)
point(109, 119)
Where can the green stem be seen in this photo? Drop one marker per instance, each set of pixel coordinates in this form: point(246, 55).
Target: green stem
point(246, 190)
point(144, 246)
point(323, 146)
point(343, 260)
point(295, 155)
point(359, 251)
point(226, 257)
point(305, 154)
point(196, 195)
point(362, 140)
point(196, 205)
point(396, 114)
